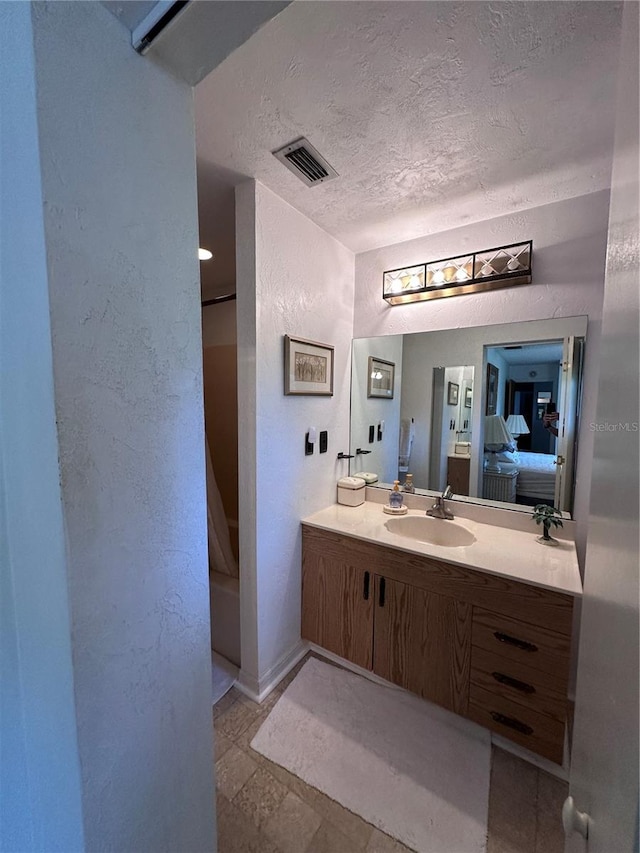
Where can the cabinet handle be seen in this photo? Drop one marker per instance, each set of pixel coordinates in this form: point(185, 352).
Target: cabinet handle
point(514, 641)
point(512, 723)
point(365, 592)
point(382, 590)
point(522, 686)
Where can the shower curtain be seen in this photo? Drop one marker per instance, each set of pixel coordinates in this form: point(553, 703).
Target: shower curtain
point(221, 557)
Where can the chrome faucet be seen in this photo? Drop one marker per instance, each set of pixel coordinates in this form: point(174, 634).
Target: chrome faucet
point(439, 510)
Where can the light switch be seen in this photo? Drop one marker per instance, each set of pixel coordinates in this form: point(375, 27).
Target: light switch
point(308, 445)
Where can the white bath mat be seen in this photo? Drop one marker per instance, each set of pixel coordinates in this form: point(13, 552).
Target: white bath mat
point(410, 768)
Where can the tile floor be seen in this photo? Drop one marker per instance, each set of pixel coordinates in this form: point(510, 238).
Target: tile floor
point(262, 808)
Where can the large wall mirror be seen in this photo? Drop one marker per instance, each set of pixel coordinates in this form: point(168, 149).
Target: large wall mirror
point(473, 407)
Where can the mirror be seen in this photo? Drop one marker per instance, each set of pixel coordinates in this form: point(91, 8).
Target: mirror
point(441, 387)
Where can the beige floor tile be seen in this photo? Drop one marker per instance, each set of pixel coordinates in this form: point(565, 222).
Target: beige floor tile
point(512, 804)
point(351, 825)
point(293, 783)
point(497, 844)
point(249, 703)
point(267, 706)
point(260, 796)
point(552, 793)
point(382, 843)
point(284, 814)
point(293, 825)
point(244, 738)
point(328, 839)
point(233, 770)
point(222, 744)
point(236, 834)
point(223, 705)
point(235, 720)
point(513, 774)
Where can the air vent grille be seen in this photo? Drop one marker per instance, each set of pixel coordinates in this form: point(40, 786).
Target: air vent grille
point(301, 158)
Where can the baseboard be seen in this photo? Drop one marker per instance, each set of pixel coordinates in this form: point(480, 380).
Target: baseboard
point(258, 690)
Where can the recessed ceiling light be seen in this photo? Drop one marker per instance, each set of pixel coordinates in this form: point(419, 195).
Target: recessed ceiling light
point(204, 254)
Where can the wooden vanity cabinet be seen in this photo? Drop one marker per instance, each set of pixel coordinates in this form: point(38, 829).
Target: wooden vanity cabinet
point(481, 645)
point(354, 607)
point(421, 642)
point(519, 681)
point(337, 606)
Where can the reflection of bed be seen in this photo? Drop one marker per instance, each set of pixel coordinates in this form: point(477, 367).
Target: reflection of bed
point(537, 474)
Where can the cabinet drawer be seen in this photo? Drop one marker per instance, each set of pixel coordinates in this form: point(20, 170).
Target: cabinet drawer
point(532, 645)
point(537, 732)
point(513, 680)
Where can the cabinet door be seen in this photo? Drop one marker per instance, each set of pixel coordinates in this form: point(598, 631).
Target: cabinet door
point(458, 474)
point(422, 642)
point(337, 607)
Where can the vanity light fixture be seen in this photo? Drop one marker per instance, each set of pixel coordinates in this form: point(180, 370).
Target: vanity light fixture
point(504, 266)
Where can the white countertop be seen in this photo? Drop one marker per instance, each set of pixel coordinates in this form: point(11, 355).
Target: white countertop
point(497, 550)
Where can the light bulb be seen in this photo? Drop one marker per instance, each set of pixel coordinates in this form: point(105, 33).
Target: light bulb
point(204, 254)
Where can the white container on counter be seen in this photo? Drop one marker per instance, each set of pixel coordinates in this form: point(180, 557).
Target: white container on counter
point(351, 491)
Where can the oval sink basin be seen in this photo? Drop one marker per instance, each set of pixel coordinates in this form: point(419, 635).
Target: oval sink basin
point(434, 531)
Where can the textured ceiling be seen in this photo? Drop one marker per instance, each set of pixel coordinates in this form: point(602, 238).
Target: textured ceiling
point(130, 12)
point(435, 114)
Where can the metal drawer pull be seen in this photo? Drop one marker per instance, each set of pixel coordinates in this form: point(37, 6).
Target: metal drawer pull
point(365, 592)
point(522, 686)
point(514, 641)
point(523, 728)
point(382, 591)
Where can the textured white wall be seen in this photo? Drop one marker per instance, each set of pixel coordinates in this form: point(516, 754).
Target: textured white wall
point(247, 429)
point(569, 246)
point(119, 194)
point(39, 771)
point(604, 760)
point(383, 459)
point(569, 249)
point(302, 286)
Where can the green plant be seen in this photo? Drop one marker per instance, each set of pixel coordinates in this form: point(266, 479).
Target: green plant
point(547, 515)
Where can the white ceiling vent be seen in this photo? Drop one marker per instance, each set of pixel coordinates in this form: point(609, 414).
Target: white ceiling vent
point(301, 158)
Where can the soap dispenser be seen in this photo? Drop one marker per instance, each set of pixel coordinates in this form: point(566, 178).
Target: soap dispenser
point(408, 485)
point(396, 498)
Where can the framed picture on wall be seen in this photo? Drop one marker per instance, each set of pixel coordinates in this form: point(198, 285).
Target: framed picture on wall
point(380, 378)
point(492, 389)
point(453, 391)
point(308, 367)
point(468, 397)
